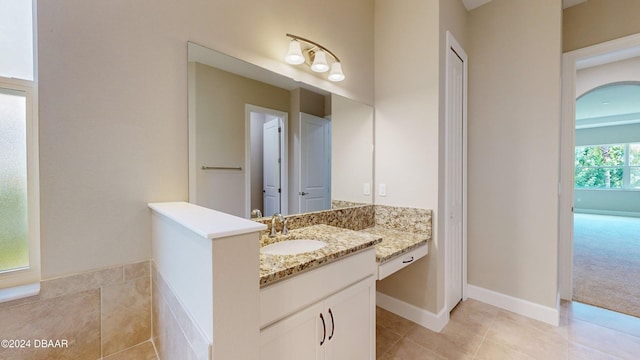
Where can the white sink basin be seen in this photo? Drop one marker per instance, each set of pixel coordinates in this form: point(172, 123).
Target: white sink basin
point(293, 247)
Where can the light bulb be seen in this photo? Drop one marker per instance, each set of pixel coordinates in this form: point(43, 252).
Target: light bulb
point(294, 56)
point(336, 73)
point(320, 62)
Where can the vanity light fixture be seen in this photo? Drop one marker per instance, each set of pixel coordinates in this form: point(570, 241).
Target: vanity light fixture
point(316, 55)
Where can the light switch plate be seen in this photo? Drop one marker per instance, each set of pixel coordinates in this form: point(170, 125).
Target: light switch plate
point(383, 190)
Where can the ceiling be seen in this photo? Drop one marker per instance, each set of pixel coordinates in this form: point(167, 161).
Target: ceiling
point(472, 4)
point(614, 104)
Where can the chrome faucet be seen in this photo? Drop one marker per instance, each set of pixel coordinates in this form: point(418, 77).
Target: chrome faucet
point(274, 218)
point(256, 214)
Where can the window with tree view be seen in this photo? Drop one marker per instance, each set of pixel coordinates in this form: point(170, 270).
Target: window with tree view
point(608, 166)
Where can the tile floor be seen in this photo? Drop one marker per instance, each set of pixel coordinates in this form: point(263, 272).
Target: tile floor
point(480, 331)
point(143, 351)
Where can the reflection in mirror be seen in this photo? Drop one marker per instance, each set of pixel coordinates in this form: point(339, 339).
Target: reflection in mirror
point(261, 143)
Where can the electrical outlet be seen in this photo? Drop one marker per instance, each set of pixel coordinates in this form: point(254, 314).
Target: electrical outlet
point(366, 189)
point(383, 190)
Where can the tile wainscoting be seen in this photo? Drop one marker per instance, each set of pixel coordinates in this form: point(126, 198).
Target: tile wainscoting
point(175, 333)
point(100, 314)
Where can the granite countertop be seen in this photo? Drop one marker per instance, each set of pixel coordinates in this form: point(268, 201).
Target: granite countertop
point(340, 243)
point(395, 242)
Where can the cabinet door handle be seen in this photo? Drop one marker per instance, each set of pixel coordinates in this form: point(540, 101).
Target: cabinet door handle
point(333, 324)
point(324, 330)
point(408, 261)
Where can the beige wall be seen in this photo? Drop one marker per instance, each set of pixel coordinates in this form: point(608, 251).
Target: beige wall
point(597, 21)
point(406, 127)
point(453, 17)
point(514, 116)
point(590, 78)
point(406, 98)
point(312, 103)
point(113, 105)
point(351, 147)
point(410, 43)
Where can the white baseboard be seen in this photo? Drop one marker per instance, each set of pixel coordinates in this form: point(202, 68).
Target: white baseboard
point(424, 318)
point(519, 306)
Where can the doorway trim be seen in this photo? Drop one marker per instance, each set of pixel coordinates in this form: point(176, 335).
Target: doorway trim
point(284, 169)
point(453, 45)
point(603, 53)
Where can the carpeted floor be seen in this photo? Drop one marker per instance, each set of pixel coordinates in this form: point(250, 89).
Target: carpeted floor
point(606, 262)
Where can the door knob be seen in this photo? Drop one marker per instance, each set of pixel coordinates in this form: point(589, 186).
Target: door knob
point(303, 193)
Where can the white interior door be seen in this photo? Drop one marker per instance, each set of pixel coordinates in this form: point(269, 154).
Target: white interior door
point(315, 163)
point(271, 156)
point(266, 152)
point(454, 176)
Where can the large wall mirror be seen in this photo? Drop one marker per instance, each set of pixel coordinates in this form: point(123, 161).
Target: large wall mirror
point(261, 143)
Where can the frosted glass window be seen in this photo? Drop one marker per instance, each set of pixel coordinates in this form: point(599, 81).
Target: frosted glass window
point(16, 39)
point(14, 241)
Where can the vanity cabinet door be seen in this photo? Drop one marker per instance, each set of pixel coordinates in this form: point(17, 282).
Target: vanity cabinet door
point(351, 322)
point(295, 337)
point(340, 327)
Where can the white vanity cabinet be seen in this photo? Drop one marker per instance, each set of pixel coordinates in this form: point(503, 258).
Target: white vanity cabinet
point(295, 337)
point(351, 334)
point(338, 325)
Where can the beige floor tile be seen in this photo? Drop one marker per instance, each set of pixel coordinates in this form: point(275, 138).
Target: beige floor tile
point(581, 352)
point(457, 340)
point(462, 336)
point(474, 311)
point(480, 331)
point(490, 350)
point(385, 339)
point(535, 339)
point(603, 317)
point(393, 322)
point(406, 349)
point(541, 327)
point(604, 339)
point(144, 351)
